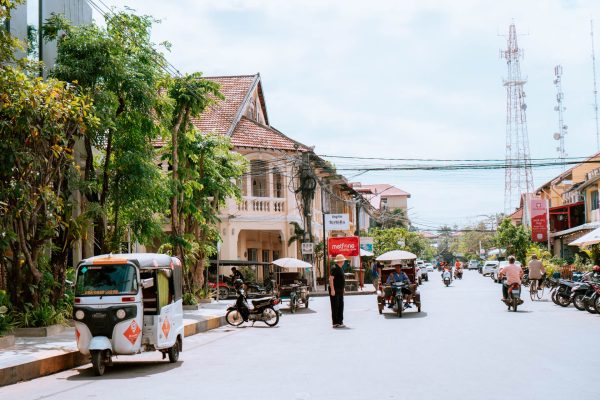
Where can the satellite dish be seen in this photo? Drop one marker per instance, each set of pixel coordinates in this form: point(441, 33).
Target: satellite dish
point(556, 136)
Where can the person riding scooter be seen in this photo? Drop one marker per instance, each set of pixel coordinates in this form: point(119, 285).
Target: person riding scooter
point(399, 276)
point(513, 274)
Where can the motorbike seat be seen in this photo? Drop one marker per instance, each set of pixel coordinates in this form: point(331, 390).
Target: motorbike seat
point(261, 301)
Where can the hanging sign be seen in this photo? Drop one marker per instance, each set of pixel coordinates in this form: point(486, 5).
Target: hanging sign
point(348, 246)
point(308, 248)
point(539, 220)
point(337, 222)
point(366, 243)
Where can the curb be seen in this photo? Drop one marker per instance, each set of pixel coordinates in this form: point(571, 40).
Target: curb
point(360, 293)
point(67, 359)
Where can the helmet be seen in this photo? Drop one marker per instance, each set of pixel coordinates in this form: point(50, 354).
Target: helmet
point(597, 268)
point(238, 283)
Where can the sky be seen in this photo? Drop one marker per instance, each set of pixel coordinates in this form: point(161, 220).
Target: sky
point(400, 79)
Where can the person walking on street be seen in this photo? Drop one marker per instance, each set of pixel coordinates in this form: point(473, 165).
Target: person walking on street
point(336, 291)
point(375, 275)
point(536, 271)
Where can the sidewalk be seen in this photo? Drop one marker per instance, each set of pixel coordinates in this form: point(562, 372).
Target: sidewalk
point(32, 358)
point(367, 290)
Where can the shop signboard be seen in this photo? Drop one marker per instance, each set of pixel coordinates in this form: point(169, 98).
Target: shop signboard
point(539, 220)
point(366, 243)
point(337, 222)
point(348, 246)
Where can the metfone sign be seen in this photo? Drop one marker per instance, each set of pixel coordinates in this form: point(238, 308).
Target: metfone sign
point(348, 246)
point(539, 220)
point(337, 222)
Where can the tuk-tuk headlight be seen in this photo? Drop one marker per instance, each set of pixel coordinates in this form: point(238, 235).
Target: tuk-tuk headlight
point(121, 313)
point(79, 314)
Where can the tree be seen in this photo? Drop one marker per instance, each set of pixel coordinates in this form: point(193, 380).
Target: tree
point(472, 238)
point(40, 121)
point(395, 218)
point(387, 240)
point(119, 69)
point(516, 240)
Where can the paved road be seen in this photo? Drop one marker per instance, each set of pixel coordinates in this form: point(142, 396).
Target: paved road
point(464, 345)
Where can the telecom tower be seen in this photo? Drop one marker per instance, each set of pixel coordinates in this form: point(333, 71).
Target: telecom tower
point(518, 177)
point(595, 86)
point(559, 108)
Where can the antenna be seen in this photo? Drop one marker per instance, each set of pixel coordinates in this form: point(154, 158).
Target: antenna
point(518, 177)
point(562, 128)
point(595, 86)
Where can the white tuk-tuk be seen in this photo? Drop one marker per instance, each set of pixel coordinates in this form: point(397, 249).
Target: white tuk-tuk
point(126, 304)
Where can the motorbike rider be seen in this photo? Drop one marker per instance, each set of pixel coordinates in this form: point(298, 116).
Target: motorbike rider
point(446, 273)
point(242, 301)
point(513, 274)
point(458, 269)
point(400, 276)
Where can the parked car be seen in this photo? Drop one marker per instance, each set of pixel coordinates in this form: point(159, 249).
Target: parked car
point(497, 269)
point(429, 267)
point(473, 264)
point(488, 267)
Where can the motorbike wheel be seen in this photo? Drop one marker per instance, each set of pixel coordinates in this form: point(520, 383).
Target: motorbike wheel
point(293, 305)
point(270, 316)
point(591, 307)
point(306, 302)
point(597, 304)
point(98, 362)
point(223, 293)
point(400, 307)
point(380, 307)
point(174, 353)
point(578, 302)
point(554, 297)
point(234, 318)
point(562, 300)
point(514, 304)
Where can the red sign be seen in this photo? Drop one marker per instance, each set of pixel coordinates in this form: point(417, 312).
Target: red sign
point(132, 332)
point(539, 220)
point(348, 246)
point(166, 327)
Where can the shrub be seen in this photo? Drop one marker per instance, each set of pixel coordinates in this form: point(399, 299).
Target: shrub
point(189, 299)
point(43, 315)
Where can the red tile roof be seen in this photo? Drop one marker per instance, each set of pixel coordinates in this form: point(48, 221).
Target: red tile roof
point(249, 133)
point(219, 117)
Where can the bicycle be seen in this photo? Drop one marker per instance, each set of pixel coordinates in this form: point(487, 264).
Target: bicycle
point(536, 289)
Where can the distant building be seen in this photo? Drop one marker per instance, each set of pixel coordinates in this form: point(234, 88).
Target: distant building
point(383, 200)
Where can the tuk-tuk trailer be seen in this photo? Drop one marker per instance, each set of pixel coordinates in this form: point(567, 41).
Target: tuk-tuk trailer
point(126, 304)
point(389, 295)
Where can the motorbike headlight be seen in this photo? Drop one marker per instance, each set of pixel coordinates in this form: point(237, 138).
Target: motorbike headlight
point(121, 313)
point(79, 314)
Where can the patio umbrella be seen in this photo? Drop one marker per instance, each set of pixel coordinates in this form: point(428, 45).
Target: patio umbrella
point(396, 255)
point(291, 264)
point(588, 239)
point(366, 253)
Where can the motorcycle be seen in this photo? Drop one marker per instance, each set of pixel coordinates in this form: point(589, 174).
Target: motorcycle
point(562, 295)
point(583, 296)
point(514, 296)
point(458, 274)
point(264, 310)
point(447, 278)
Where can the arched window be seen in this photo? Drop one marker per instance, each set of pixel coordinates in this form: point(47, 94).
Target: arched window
point(277, 183)
point(258, 173)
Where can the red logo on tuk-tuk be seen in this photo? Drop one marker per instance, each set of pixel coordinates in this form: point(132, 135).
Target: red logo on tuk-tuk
point(132, 332)
point(77, 334)
point(166, 327)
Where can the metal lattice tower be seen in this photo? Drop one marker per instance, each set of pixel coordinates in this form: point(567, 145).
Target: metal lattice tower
point(595, 86)
point(559, 108)
point(518, 177)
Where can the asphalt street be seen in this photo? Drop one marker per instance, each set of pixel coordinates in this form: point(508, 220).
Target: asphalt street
point(463, 345)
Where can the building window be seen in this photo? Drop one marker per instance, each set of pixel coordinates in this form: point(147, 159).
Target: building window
point(265, 256)
point(384, 205)
point(277, 183)
point(275, 255)
point(258, 172)
point(252, 254)
point(595, 204)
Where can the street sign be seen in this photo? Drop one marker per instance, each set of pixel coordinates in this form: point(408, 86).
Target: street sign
point(308, 248)
point(337, 222)
point(366, 243)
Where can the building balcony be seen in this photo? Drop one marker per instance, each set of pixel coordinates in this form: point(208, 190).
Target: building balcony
point(262, 205)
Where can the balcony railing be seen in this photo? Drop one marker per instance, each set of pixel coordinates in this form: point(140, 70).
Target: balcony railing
point(262, 205)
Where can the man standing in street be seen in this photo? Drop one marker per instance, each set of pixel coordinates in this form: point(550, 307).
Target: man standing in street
point(336, 291)
point(375, 275)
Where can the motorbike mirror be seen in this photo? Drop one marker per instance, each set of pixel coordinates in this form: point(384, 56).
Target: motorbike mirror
point(148, 282)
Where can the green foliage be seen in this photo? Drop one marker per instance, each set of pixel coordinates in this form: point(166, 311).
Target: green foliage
point(6, 320)
point(43, 315)
point(470, 239)
point(387, 240)
point(189, 299)
point(248, 273)
point(516, 240)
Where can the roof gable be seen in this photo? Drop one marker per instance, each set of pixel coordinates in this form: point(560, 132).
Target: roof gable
point(249, 133)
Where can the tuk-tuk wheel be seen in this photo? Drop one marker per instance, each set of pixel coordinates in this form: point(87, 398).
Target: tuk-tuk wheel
point(306, 302)
point(173, 352)
point(98, 362)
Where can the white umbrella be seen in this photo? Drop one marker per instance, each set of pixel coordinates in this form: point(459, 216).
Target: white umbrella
point(588, 239)
point(396, 255)
point(366, 253)
point(291, 264)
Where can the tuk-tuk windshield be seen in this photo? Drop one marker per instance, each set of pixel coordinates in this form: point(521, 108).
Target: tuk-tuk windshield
point(105, 280)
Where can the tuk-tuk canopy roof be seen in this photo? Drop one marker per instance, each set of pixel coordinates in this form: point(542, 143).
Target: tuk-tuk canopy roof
point(143, 260)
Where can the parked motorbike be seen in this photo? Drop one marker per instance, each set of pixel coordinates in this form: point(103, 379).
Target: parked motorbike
point(514, 296)
point(583, 296)
point(562, 295)
point(265, 310)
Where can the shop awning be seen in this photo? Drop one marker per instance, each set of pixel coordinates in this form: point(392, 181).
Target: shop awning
point(588, 239)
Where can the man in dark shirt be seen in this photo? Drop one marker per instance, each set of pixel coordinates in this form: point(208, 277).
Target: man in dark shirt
point(336, 292)
point(235, 274)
